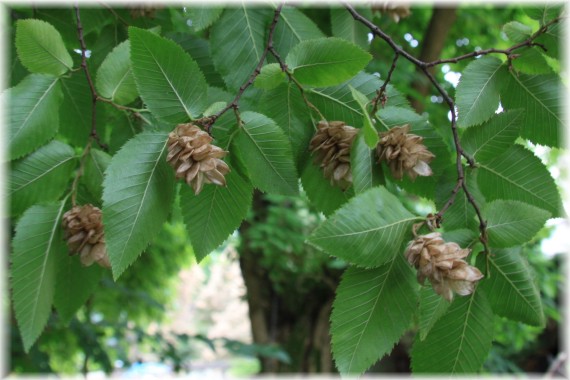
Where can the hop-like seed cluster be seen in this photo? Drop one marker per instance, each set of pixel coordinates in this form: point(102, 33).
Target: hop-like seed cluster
point(404, 152)
point(194, 158)
point(442, 263)
point(331, 146)
point(83, 230)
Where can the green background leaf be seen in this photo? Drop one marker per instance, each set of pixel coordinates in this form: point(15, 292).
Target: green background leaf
point(326, 61)
point(264, 149)
point(203, 16)
point(324, 196)
point(40, 177)
point(137, 197)
point(432, 307)
point(237, 41)
point(499, 133)
point(511, 223)
point(511, 289)
point(477, 95)
point(366, 173)
point(35, 249)
point(293, 27)
point(371, 311)
point(41, 49)
point(115, 79)
point(215, 213)
point(459, 341)
point(541, 98)
point(344, 26)
point(169, 80)
point(75, 283)
point(35, 113)
point(370, 134)
point(517, 174)
point(269, 77)
point(367, 231)
point(94, 172)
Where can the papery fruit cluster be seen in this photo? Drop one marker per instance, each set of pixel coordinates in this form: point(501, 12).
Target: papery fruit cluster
point(443, 265)
point(83, 231)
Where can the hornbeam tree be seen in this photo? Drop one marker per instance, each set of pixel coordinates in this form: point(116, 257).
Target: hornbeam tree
point(116, 113)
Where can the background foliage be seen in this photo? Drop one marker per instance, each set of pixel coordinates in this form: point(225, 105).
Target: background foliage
point(94, 92)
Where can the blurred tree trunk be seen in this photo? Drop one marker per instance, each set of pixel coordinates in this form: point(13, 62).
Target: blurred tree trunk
point(433, 42)
point(303, 333)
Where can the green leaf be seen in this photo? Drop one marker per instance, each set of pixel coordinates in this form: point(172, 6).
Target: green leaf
point(137, 197)
point(511, 288)
point(285, 105)
point(518, 175)
point(40, 177)
point(36, 245)
point(367, 231)
point(325, 197)
point(202, 16)
point(511, 223)
point(531, 61)
point(544, 12)
point(215, 213)
point(499, 133)
point(293, 27)
point(432, 307)
point(344, 26)
point(75, 283)
point(365, 172)
point(371, 311)
point(541, 98)
point(94, 172)
point(370, 134)
point(75, 115)
point(270, 77)
point(463, 236)
point(237, 42)
point(115, 79)
point(551, 40)
point(477, 94)
point(326, 61)
point(459, 341)
point(169, 80)
point(34, 116)
point(517, 32)
point(41, 49)
point(337, 103)
point(264, 149)
point(199, 49)
point(215, 108)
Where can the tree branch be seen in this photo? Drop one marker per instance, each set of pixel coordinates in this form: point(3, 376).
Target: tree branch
point(461, 183)
point(380, 94)
point(94, 95)
point(207, 122)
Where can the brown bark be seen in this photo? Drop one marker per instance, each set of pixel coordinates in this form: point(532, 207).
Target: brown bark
point(301, 330)
point(435, 35)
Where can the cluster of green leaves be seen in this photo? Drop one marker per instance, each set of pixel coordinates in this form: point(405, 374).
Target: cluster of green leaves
point(165, 77)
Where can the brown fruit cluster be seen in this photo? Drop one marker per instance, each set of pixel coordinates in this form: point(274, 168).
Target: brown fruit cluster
point(442, 263)
point(194, 158)
point(144, 11)
point(404, 152)
point(83, 230)
point(331, 146)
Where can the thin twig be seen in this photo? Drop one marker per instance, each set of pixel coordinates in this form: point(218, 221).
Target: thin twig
point(508, 52)
point(94, 95)
point(207, 122)
point(380, 94)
